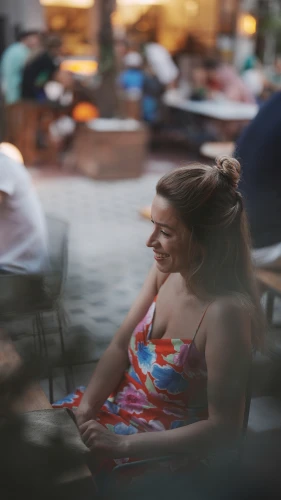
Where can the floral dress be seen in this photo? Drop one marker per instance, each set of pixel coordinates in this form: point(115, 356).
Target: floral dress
point(165, 386)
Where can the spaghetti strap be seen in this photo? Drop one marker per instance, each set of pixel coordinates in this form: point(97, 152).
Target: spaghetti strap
point(201, 321)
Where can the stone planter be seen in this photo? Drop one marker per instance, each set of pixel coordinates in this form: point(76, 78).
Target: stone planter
point(110, 149)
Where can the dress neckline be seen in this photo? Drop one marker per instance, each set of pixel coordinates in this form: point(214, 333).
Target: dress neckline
point(163, 340)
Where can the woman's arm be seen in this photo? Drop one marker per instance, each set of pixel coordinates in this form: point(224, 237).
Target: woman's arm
point(228, 352)
point(114, 362)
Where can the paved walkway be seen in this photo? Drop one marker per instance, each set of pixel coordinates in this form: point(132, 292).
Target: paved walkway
point(108, 258)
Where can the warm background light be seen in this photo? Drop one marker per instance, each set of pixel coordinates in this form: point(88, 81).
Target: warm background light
point(82, 4)
point(192, 7)
point(85, 68)
point(142, 2)
point(247, 24)
point(11, 151)
point(85, 112)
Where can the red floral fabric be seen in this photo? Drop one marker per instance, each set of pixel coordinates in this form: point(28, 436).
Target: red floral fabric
point(164, 388)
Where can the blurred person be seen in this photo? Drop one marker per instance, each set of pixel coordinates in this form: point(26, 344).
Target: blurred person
point(151, 101)
point(224, 82)
point(199, 84)
point(259, 151)
point(43, 68)
point(23, 233)
point(132, 76)
point(13, 61)
point(253, 77)
point(174, 379)
point(161, 63)
point(139, 81)
point(274, 74)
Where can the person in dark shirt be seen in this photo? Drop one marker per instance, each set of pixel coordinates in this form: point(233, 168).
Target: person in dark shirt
point(41, 69)
point(259, 151)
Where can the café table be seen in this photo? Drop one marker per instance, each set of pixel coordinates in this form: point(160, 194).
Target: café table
point(228, 117)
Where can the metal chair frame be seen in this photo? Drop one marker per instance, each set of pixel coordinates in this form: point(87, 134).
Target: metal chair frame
point(35, 295)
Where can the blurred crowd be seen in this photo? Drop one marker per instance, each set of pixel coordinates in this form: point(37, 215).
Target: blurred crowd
point(29, 64)
point(151, 70)
point(143, 74)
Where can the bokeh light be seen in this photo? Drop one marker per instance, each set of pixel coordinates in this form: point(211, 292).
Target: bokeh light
point(11, 151)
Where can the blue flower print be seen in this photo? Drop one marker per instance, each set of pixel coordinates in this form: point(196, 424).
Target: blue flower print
point(166, 378)
point(146, 356)
point(177, 423)
point(70, 399)
point(112, 408)
point(124, 429)
point(134, 375)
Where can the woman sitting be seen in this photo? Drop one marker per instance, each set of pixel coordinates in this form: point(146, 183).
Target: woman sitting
point(180, 361)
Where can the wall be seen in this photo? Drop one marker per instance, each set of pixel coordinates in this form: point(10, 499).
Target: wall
point(23, 14)
point(177, 22)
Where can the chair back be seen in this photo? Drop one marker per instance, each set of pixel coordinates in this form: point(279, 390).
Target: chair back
point(28, 293)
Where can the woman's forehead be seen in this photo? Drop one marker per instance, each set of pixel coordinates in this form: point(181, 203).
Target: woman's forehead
point(163, 211)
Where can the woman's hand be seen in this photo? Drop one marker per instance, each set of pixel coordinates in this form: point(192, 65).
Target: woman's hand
point(101, 440)
point(83, 414)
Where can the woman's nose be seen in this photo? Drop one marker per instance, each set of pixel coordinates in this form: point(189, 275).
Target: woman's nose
point(151, 240)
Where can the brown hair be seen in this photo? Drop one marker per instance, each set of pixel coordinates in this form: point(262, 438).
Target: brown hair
point(207, 201)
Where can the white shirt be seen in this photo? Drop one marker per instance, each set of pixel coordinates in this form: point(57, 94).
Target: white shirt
point(161, 62)
point(23, 233)
point(253, 80)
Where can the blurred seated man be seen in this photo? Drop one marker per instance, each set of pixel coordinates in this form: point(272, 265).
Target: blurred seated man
point(254, 78)
point(41, 69)
point(13, 61)
point(199, 86)
point(225, 83)
point(274, 75)
point(259, 151)
point(23, 233)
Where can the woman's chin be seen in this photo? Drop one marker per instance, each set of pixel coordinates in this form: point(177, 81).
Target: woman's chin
point(163, 265)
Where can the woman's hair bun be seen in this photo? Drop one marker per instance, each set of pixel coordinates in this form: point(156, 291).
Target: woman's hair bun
point(230, 168)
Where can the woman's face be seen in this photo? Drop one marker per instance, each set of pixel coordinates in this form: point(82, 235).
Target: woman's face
point(170, 238)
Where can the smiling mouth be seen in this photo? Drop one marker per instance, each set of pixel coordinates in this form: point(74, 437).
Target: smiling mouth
point(160, 256)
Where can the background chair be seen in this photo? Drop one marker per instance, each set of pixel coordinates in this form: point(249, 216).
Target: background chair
point(36, 295)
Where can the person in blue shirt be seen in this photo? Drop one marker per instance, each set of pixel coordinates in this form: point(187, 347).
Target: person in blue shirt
point(142, 83)
point(259, 151)
point(132, 77)
point(13, 62)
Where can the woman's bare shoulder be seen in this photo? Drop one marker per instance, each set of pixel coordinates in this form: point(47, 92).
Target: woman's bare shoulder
point(228, 304)
point(229, 316)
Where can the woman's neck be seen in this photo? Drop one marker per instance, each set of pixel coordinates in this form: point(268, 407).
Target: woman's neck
point(196, 291)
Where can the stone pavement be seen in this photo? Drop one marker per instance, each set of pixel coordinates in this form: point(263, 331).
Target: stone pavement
point(108, 258)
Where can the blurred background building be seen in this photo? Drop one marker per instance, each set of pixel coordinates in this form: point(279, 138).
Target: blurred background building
point(236, 28)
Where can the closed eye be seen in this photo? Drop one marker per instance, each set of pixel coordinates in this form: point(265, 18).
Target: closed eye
point(162, 231)
point(165, 234)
